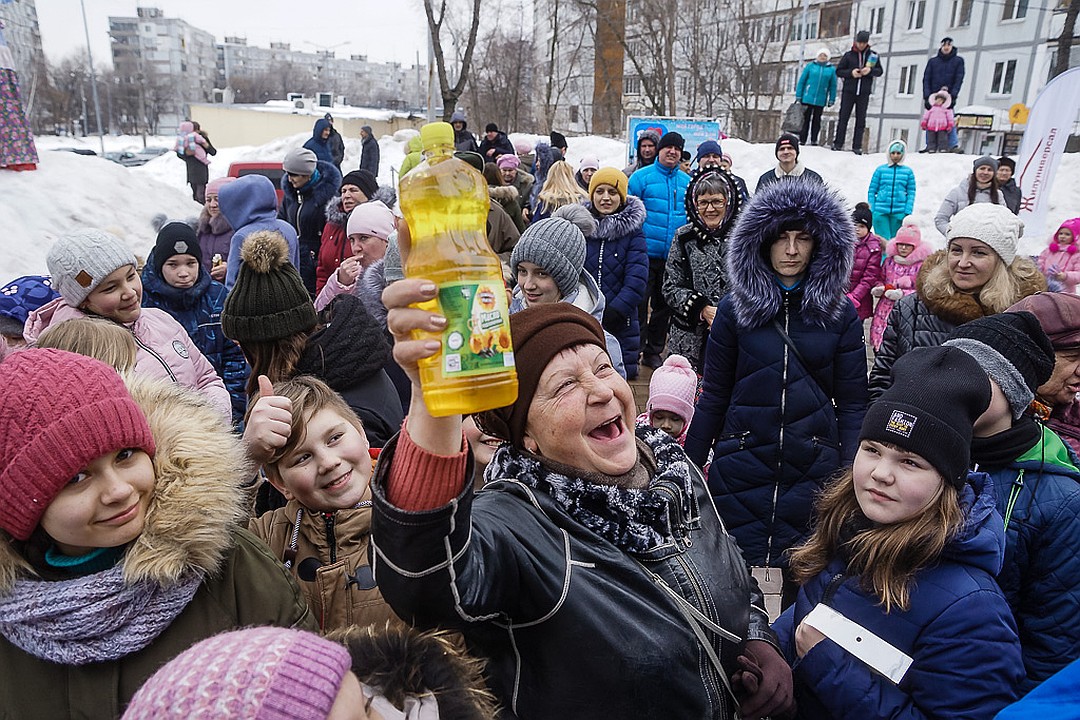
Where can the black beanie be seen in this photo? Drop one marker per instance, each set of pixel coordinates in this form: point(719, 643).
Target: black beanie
point(558, 140)
point(269, 301)
point(671, 139)
point(491, 127)
point(785, 140)
point(362, 179)
point(935, 398)
point(474, 159)
point(862, 216)
point(175, 238)
point(1011, 348)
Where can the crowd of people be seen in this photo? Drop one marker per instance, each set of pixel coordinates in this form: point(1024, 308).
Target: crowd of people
point(853, 492)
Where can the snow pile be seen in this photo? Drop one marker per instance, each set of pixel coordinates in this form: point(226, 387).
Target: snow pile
point(70, 191)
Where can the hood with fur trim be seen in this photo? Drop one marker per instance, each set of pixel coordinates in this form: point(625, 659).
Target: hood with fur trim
point(934, 288)
point(755, 293)
point(627, 220)
point(920, 253)
point(198, 502)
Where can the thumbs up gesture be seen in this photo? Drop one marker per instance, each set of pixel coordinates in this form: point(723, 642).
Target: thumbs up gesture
point(269, 423)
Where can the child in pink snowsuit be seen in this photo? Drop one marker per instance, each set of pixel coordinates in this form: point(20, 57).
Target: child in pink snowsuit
point(904, 256)
point(937, 121)
point(1060, 261)
point(189, 142)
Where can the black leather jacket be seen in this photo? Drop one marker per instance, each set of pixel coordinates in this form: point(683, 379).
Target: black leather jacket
point(571, 626)
point(911, 325)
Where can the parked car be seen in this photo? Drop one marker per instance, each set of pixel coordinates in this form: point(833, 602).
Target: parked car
point(141, 157)
point(118, 156)
point(272, 170)
point(76, 150)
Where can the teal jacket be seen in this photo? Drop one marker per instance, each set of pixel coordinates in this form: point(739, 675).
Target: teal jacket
point(817, 85)
point(892, 190)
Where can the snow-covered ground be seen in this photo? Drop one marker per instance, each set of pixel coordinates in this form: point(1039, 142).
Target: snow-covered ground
point(70, 191)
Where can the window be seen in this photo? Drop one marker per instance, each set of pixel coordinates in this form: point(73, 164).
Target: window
point(835, 20)
point(1014, 10)
point(904, 136)
point(631, 85)
point(907, 80)
point(1004, 72)
point(877, 21)
point(796, 32)
point(573, 114)
point(961, 13)
point(916, 14)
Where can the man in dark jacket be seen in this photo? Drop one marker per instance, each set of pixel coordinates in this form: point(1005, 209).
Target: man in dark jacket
point(463, 139)
point(309, 184)
point(335, 142)
point(495, 143)
point(944, 71)
point(788, 165)
point(1009, 189)
point(369, 151)
point(858, 68)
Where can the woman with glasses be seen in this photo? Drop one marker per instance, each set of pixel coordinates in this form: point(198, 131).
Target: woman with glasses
point(694, 279)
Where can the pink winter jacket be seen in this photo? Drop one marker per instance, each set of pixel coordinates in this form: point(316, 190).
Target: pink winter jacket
point(900, 274)
point(163, 350)
point(865, 274)
point(938, 117)
point(1063, 260)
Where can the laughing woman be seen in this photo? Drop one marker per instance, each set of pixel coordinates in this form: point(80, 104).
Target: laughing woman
point(593, 560)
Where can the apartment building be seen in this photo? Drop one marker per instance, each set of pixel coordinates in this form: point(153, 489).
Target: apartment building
point(23, 37)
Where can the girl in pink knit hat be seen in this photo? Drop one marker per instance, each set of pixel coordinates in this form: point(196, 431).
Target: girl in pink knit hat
point(672, 392)
point(1060, 261)
point(120, 546)
point(904, 257)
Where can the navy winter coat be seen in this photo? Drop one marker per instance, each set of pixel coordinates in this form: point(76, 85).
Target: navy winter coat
point(615, 256)
point(198, 310)
point(663, 190)
point(1041, 574)
point(958, 630)
point(943, 71)
point(501, 144)
point(776, 432)
point(318, 145)
point(305, 208)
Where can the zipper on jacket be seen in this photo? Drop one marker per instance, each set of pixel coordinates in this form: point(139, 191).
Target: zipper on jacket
point(699, 600)
point(600, 268)
point(331, 536)
point(780, 449)
point(147, 348)
point(834, 584)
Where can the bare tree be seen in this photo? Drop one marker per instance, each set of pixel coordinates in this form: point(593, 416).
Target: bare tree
point(568, 55)
point(436, 25)
point(501, 79)
point(1065, 40)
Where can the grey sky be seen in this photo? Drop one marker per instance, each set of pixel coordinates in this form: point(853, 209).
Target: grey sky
point(385, 30)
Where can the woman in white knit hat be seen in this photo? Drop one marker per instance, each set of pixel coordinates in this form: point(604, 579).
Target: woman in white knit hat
point(977, 274)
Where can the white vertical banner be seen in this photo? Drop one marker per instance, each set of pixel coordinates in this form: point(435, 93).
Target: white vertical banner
point(1052, 118)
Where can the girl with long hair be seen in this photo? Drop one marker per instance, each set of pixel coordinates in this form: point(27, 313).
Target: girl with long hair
point(898, 613)
point(979, 187)
point(559, 189)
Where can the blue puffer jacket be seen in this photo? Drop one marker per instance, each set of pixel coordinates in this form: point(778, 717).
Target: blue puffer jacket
point(616, 257)
point(817, 85)
point(958, 631)
point(776, 433)
point(663, 190)
point(318, 145)
point(250, 204)
point(198, 310)
point(892, 189)
point(1041, 575)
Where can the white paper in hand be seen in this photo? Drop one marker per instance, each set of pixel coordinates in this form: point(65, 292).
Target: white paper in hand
point(860, 642)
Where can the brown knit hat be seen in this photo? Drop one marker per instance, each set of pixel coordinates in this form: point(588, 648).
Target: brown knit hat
point(539, 333)
point(269, 301)
point(58, 412)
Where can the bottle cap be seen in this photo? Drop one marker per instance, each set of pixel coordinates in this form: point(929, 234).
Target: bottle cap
point(437, 133)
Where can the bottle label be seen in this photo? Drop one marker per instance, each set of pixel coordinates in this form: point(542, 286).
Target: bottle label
point(477, 336)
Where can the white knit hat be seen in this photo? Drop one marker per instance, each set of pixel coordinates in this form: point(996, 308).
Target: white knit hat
point(371, 218)
point(78, 262)
point(992, 224)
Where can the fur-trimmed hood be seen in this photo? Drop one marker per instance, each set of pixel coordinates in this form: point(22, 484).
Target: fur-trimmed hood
point(755, 293)
point(503, 194)
point(627, 220)
point(198, 503)
point(335, 214)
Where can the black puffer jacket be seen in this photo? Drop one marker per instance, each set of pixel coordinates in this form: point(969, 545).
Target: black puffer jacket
point(926, 317)
point(305, 208)
point(571, 625)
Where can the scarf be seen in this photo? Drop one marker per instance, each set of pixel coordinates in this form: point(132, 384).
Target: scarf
point(634, 520)
point(998, 451)
point(93, 618)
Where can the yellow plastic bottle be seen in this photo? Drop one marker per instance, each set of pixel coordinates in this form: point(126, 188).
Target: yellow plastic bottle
point(445, 202)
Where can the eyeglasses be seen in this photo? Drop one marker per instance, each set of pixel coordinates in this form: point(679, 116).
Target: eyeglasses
point(711, 203)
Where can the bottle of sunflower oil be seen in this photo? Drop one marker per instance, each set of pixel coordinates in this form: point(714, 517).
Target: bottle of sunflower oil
point(445, 202)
